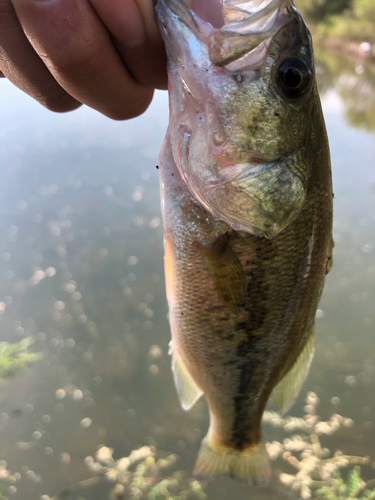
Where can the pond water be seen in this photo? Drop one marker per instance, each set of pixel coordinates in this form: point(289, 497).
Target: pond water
point(81, 272)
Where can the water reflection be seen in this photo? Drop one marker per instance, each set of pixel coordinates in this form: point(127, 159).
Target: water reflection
point(354, 82)
point(81, 273)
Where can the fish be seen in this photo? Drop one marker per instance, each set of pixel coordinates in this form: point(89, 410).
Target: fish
point(247, 210)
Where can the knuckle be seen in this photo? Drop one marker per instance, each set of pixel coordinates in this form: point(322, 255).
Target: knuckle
point(58, 101)
point(132, 109)
point(6, 7)
point(8, 17)
point(157, 80)
point(82, 60)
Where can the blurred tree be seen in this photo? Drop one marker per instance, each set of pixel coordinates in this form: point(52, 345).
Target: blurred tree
point(364, 9)
point(319, 10)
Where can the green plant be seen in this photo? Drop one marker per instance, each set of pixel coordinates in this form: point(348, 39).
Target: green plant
point(319, 474)
point(140, 476)
point(4, 474)
point(318, 470)
point(352, 488)
point(343, 19)
point(13, 357)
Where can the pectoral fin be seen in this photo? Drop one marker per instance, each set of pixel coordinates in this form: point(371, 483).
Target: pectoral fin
point(187, 389)
point(286, 391)
point(227, 272)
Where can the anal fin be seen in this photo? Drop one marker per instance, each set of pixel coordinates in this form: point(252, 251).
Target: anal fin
point(187, 389)
point(287, 389)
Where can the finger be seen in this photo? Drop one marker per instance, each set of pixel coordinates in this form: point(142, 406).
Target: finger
point(77, 49)
point(135, 32)
point(22, 66)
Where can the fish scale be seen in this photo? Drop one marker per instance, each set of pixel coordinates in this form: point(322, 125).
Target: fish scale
point(242, 293)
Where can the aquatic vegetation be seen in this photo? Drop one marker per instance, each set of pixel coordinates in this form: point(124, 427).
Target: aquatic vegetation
point(147, 480)
point(320, 473)
point(5, 475)
point(14, 357)
point(341, 490)
point(139, 476)
point(318, 470)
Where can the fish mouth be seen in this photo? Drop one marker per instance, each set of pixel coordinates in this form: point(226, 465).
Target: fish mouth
point(210, 72)
point(247, 24)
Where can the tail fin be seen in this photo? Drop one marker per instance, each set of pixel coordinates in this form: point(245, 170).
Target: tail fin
point(251, 465)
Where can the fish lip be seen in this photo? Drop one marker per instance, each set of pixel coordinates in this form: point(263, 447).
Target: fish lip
point(237, 38)
point(190, 18)
point(242, 204)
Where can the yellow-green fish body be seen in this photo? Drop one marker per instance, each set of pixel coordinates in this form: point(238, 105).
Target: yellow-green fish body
point(247, 210)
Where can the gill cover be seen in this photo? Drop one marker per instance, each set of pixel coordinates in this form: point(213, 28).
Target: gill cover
point(230, 116)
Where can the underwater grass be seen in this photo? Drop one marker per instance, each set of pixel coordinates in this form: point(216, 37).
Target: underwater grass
point(14, 357)
point(302, 464)
point(305, 466)
point(318, 470)
point(319, 473)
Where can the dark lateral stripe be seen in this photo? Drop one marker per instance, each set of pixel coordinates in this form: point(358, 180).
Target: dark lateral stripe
point(242, 404)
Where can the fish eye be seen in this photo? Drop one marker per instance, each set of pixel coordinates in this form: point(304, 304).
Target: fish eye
point(293, 77)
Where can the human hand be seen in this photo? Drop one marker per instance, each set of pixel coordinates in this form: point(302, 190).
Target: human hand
point(107, 54)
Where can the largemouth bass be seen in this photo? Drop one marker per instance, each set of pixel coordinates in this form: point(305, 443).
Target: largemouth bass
point(247, 211)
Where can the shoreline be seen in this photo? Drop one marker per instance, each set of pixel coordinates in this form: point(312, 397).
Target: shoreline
point(347, 48)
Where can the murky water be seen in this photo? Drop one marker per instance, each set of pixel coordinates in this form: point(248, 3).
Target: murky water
point(81, 271)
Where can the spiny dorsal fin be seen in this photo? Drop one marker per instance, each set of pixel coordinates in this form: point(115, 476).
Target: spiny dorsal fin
point(227, 272)
point(187, 389)
point(286, 391)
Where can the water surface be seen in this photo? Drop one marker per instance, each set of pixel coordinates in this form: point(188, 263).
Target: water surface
point(81, 271)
